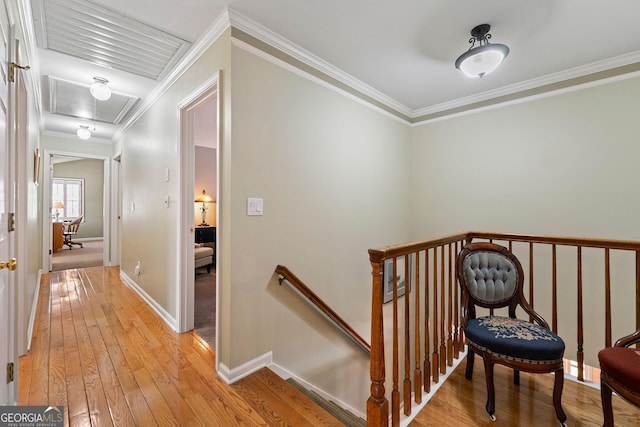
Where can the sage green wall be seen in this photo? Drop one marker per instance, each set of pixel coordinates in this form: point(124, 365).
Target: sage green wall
point(334, 179)
point(92, 171)
point(561, 165)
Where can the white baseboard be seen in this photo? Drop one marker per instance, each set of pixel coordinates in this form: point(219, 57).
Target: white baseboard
point(169, 320)
point(34, 308)
point(284, 374)
point(230, 376)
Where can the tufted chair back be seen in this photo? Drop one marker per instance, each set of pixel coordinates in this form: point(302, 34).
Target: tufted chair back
point(490, 277)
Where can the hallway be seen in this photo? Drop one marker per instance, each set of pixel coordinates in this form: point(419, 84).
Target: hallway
point(100, 351)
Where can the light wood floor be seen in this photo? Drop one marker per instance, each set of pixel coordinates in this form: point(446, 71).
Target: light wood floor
point(460, 402)
point(103, 353)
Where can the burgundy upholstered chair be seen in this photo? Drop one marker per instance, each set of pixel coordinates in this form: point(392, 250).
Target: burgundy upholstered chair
point(620, 372)
point(491, 277)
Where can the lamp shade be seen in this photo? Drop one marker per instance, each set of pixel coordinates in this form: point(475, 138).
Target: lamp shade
point(481, 60)
point(203, 198)
point(58, 204)
point(100, 89)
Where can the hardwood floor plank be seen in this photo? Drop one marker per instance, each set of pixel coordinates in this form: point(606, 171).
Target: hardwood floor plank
point(461, 402)
point(161, 408)
point(274, 394)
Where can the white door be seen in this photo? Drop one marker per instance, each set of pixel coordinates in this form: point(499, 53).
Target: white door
point(7, 320)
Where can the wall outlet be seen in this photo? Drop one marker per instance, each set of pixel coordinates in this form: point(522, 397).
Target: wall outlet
point(137, 270)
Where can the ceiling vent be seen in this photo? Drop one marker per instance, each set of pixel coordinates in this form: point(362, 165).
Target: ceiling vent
point(107, 38)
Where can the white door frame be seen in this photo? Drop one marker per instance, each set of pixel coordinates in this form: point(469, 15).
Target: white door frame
point(116, 209)
point(24, 180)
point(185, 291)
point(46, 204)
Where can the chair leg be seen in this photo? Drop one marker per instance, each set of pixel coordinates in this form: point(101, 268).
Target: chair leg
point(557, 396)
point(470, 356)
point(491, 393)
point(607, 410)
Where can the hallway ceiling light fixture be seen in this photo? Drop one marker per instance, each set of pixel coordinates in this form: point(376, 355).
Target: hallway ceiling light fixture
point(480, 60)
point(204, 198)
point(83, 132)
point(100, 89)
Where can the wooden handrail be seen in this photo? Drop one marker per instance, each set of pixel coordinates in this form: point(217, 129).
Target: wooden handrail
point(321, 306)
point(559, 240)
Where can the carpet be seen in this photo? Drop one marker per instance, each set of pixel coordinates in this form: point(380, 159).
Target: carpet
point(204, 321)
point(89, 255)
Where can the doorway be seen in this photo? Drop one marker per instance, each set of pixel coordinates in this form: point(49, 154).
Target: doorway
point(197, 307)
point(75, 188)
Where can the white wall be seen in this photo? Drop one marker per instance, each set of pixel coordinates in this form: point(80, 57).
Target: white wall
point(334, 178)
point(562, 165)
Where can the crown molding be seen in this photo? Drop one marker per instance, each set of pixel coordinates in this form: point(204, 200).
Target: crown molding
point(269, 37)
point(215, 31)
point(532, 84)
point(276, 41)
point(532, 88)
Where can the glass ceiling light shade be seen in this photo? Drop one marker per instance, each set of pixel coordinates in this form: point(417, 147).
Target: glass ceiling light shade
point(83, 132)
point(100, 89)
point(482, 59)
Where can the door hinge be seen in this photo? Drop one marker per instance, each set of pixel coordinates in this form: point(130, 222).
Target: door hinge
point(12, 222)
point(9, 372)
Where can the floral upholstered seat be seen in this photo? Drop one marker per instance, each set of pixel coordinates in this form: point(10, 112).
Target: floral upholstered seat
point(491, 277)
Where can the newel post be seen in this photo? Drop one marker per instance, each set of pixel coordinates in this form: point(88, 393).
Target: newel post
point(377, 405)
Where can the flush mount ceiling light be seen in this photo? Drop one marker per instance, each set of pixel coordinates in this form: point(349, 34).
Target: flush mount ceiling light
point(482, 59)
point(100, 89)
point(83, 132)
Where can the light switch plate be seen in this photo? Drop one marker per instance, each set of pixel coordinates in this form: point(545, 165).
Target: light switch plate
point(254, 206)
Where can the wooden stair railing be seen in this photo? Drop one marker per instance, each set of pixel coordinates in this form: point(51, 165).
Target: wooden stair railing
point(428, 320)
point(285, 274)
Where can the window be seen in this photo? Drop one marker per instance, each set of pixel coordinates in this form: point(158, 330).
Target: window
point(70, 191)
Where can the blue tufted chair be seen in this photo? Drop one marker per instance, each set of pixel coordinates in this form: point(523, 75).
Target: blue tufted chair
point(491, 277)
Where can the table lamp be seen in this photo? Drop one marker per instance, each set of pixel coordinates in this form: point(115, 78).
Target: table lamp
point(58, 204)
point(204, 198)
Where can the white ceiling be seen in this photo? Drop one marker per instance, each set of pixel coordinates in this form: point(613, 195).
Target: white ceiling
point(402, 51)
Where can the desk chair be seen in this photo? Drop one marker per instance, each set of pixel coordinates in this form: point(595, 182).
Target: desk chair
point(70, 231)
